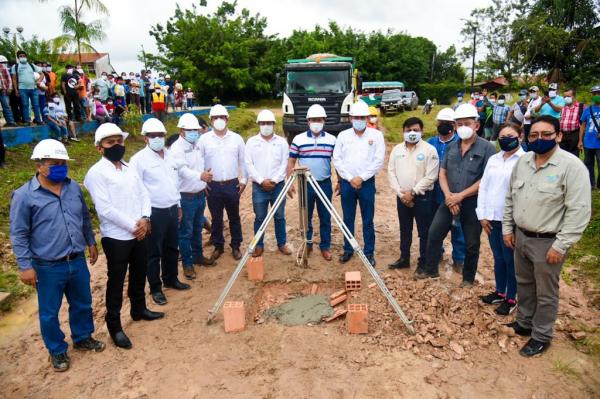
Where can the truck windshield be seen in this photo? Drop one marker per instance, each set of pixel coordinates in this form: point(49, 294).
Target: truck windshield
point(318, 81)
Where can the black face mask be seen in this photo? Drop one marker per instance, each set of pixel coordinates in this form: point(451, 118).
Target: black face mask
point(508, 143)
point(445, 129)
point(114, 153)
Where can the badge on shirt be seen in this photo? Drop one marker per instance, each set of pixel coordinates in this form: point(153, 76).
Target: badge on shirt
point(420, 156)
point(552, 178)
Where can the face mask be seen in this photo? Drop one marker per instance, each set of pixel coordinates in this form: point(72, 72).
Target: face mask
point(80, 71)
point(542, 146)
point(110, 103)
point(266, 130)
point(70, 70)
point(522, 98)
point(492, 100)
point(359, 124)
point(459, 99)
point(315, 127)
point(57, 173)
point(596, 99)
point(445, 129)
point(219, 124)
point(156, 144)
point(568, 100)
point(508, 143)
point(533, 96)
point(481, 97)
point(464, 132)
point(412, 137)
point(104, 77)
point(48, 69)
point(373, 119)
point(552, 94)
point(23, 60)
point(56, 100)
point(191, 136)
point(500, 102)
point(114, 153)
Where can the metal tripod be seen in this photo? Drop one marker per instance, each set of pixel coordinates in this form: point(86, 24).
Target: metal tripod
point(305, 178)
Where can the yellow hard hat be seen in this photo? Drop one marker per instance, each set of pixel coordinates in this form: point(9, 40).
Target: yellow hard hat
point(373, 111)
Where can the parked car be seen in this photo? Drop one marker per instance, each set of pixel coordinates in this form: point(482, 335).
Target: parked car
point(410, 101)
point(391, 101)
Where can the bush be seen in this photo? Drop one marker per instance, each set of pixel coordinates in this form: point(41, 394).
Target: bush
point(441, 93)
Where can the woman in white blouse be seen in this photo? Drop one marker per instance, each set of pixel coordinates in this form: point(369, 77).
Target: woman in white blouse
point(490, 209)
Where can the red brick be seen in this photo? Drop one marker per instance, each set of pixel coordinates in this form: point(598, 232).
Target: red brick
point(234, 314)
point(372, 285)
point(353, 281)
point(338, 313)
point(314, 289)
point(256, 268)
point(357, 318)
point(338, 300)
point(337, 293)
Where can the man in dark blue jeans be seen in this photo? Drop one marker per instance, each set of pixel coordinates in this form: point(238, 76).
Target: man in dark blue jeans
point(25, 85)
point(50, 228)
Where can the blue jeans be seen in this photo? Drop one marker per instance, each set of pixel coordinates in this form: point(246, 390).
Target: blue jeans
point(27, 95)
point(324, 216)
point(365, 197)
point(6, 110)
point(61, 131)
point(190, 227)
point(504, 262)
point(260, 202)
point(72, 279)
point(457, 239)
point(422, 212)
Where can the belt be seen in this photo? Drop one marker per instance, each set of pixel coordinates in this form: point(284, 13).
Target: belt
point(531, 234)
point(71, 256)
point(224, 182)
point(192, 195)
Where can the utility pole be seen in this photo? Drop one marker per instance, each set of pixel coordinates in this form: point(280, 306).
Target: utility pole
point(144, 57)
point(474, 27)
point(432, 65)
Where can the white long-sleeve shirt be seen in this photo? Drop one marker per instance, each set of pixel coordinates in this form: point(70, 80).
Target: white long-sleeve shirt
point(494, 184)
point(413, 169)
point(356, 155)
point(119, 197)
point(266, 159)
point(190, 164)
point(159, 175)
point(224, 156)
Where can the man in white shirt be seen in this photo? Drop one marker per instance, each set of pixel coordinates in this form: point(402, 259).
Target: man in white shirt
point(192, 188)
point(123, 207)
point(266, 162)
point(358, 156)
point(530, 114)
point(158, 172)
point(412, 171)
point(223, 153)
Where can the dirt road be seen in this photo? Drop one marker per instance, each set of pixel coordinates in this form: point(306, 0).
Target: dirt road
point(461, 351)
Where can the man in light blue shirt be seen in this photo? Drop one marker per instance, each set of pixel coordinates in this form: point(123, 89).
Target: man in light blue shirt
point(552, 104)
point(25, 85)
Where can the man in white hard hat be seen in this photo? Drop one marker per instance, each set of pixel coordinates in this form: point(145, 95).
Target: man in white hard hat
point(50, 228)
point(123, 207)
point(223, 153)
point(158, 172)
point(192, 188)
point(266, 162)
point(446, 129)
point(358, 156)
point(460, 173)
point(314, 150)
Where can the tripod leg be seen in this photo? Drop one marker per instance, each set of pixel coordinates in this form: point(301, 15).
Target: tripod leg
point(302, 258)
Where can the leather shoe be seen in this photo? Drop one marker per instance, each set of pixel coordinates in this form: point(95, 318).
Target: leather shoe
point(178, 285)
point(421, 275)
point(401, 263)
point(237, 254)
point(522, 331)
point(148, 315)
point(345, 257)
point(371, 259)
point(534, 347)
point(189, 272)
point(89, 344)
point(121, 340)
point(218, 251)
point(326, 254)
point(284, 249)
point(204, 261)
point(258, 251)
point(60, 362)
point(159, 298)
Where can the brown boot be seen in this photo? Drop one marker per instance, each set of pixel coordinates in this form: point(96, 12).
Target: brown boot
point(284, 249)
point(189, 272)
point(308, 251)
point(218, 251)
point(326, 254)
point(237, 254)
point(258, 251)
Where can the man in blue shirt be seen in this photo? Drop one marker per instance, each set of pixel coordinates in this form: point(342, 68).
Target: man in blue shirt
point(50, 228)
point(589, 135)
point(446, 135)
point(552, 104)
point(25, 85)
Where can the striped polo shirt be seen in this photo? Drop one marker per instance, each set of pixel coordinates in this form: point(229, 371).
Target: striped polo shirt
point(314, 152)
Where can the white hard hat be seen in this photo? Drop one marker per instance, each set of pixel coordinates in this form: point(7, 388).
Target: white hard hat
point(168, 77)
point(188, 121)
point(316, 111)
point(3, 59)
point(106, 130)
point(50, 149)
point(153, 125)
point(265, 116)
point(465, 111)
point(445, 114)
point(218, 110)
point(359, 108)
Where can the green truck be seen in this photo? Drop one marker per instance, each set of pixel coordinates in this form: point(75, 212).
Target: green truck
point(371, 92)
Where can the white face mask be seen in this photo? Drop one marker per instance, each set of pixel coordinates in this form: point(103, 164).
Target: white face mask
point(219, 124)
point(56, 100)
point(552, 93)
point(156, 143)
point(70, 70)
point(412, 137)
point(568, 100)
point(459, 99)
point(315, 127)
point(80, 71)
point(266, 130)
point(533, 96)
point(465, 132)
point(500, 102)
point(373, 119)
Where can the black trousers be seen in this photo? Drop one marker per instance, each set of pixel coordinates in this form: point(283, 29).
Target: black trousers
point(163, 250)
point(569, 142)
point(225, 197)
point(422, 212)
point(72, 105)
point(120, 255)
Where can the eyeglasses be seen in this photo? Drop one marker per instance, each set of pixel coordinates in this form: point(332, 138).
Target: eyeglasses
point(534, 135)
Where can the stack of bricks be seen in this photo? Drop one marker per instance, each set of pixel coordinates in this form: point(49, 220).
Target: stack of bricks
point(234, 313)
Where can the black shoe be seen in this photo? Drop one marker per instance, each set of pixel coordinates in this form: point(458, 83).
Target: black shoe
point(89, 344)
point(400, 264)
point(506, 307)
point(534, 347)
point(492, 298)
point(371, 259)
point(236, 253)
point(148, 315)
point(204, 261)
point(421, 275)
point(159, 298)
point(178, 285)
point(345, 257)
point(522, 331)
point(218, 251)
point(60, 362)
point(121, 340)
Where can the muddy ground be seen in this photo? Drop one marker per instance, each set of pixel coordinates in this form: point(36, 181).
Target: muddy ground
point(461, 350)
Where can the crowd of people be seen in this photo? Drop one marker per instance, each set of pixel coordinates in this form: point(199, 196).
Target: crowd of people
point(532, 199)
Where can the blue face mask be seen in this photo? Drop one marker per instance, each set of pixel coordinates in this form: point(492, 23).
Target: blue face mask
point(508, 143)
point(359, 124)
point(191, 136)
point(542, 146)
point(57, 173)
